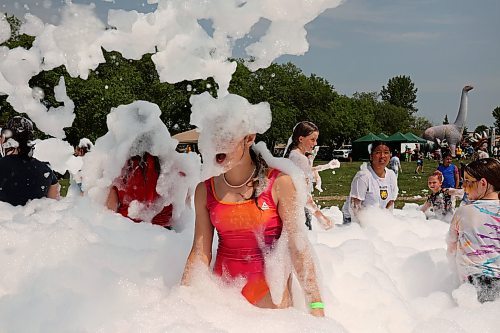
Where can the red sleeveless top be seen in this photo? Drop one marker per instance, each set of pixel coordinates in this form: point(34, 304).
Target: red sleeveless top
point(138, 182)
point(244, 231)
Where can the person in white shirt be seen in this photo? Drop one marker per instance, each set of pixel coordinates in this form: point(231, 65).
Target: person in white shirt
point(374, 185)
point(303, 140)
point(395, 164)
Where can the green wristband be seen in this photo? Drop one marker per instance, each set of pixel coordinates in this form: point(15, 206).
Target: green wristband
point(317, 305)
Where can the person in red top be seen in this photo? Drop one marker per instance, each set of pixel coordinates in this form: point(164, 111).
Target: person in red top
point(251, 206)
point(137, 182)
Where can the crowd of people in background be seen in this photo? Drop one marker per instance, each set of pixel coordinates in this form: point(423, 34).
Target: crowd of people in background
point(267, 204)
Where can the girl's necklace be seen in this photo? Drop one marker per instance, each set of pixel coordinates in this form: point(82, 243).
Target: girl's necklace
point(238, 186)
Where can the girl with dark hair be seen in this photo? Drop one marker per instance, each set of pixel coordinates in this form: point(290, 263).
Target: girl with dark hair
point(474, 235)
point(374, 185)
point(250, 205)
point(441, 200)
point(303, 140)
point(28, 178)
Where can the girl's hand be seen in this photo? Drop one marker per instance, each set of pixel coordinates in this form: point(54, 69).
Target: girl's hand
point(325, 222)
point(334, 164)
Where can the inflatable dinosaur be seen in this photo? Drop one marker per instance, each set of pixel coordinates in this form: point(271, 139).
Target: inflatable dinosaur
point(451, 133)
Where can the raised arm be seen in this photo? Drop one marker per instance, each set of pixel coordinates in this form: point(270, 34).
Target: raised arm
point(201, 251)
point(333, 164)
point(300, 248)
point(456, 192)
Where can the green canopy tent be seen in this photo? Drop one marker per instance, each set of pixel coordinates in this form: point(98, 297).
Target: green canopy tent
point(396, 141)
point(360, 146)
point(398, 137)
point(383, 136)
point(401, 142)
point(415, 137)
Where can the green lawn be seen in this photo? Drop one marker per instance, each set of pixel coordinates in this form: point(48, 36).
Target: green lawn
point(64, 182)
point(337, 186)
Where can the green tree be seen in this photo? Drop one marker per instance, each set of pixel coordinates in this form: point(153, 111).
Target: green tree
point(465, 131)
point(445, 121)
point(392, 119)
point(496, 115)
point(480, 129)
point(401, 91)
point(116, 82)
point(16, 39)
point(419, 125)
point(292, 96)
point(351, 117)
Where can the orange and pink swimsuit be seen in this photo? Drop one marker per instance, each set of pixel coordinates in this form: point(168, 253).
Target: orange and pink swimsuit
point(244, 229)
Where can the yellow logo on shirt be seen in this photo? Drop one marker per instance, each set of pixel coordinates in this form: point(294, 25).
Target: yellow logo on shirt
point(384, 194)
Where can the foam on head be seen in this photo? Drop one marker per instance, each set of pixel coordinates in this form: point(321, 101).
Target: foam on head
point(222, 122)
point(134, 129)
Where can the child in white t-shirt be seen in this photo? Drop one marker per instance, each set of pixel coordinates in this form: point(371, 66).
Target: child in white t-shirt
point(374, 185)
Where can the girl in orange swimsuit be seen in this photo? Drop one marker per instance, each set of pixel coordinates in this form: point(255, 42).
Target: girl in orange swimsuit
point(250, 205)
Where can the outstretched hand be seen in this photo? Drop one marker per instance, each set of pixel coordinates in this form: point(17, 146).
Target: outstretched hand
point(325, 222)
point(334, 164)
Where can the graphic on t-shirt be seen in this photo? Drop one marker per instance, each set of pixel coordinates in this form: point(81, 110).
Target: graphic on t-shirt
point(265, 206)
point(383, 192)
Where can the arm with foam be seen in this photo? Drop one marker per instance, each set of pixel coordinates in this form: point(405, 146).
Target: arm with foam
point(333, 164)
point(201, 251)
point(394, 190)
point(359, 187)
point(452, 237)
point(290, 212)
point(425, 206)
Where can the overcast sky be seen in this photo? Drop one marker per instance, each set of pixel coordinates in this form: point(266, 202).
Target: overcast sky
point(441, 44)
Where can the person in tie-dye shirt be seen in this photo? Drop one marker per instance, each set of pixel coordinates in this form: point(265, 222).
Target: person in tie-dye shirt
point(474, 236)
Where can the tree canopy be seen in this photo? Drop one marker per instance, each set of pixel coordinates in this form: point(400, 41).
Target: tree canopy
point(445, 121)
point(496, 115)
point(481, 129)
point(401, 92)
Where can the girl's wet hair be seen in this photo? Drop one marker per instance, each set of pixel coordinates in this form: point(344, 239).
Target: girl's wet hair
point(487, 168)
point(261, 169)
point(437, 174)
point(304, 128)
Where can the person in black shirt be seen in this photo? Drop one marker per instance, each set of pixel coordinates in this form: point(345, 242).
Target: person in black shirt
point(22, 177)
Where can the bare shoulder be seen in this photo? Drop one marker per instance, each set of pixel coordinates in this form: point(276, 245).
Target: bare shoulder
point(283, 181)
point(201, 191)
